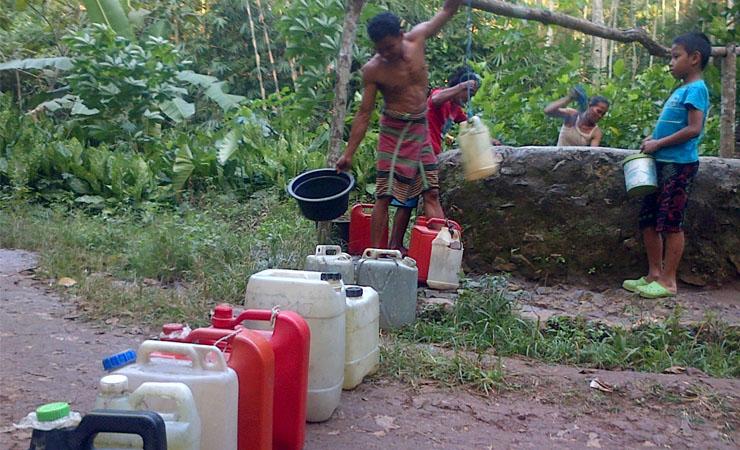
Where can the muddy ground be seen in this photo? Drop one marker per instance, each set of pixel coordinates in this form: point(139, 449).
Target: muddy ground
point(49, 353)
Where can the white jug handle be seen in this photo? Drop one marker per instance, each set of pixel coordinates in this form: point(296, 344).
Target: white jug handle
point(330, 250)
point(179, 392)
point(375, 253)
point(198, 354)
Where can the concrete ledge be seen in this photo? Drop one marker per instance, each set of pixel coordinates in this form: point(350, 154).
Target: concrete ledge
point(562, 213)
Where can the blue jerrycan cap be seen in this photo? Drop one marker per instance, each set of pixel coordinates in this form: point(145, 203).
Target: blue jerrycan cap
point(117, 360)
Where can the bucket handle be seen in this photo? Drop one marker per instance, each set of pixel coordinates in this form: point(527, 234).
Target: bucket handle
point(328, 250)
point(376, 253)
point(198, 354)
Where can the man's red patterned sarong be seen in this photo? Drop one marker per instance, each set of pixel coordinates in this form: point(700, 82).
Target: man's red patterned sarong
point(406, 164)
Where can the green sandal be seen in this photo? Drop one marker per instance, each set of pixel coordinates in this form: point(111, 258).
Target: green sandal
point(654, 290)
point(632, 285)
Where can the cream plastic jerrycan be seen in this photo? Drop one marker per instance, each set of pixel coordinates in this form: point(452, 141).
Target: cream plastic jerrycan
point(203, 369)
point(478, 157)
point(173, 401)
point(362, 353)
point(446, 260)
point(320, 299)
point(330, 258)
point(394, 278)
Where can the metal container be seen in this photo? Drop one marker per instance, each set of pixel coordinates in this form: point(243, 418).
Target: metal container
point(394, 278)
point(640, 177)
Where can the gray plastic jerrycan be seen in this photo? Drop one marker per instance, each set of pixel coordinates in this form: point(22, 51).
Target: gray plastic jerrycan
point(394, 278)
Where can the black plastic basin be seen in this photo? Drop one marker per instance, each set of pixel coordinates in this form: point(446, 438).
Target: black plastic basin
point(322, 194)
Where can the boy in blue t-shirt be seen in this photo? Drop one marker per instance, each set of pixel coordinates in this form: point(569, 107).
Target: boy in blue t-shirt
point(675, 146)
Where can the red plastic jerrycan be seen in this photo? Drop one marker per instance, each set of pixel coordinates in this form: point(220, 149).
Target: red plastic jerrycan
point(420, 247)
point(359, 229)
point(290, 340)
point(251, 356)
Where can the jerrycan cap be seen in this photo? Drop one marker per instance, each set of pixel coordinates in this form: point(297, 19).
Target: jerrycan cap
point(117, 360)
point(223, 316)
point(52, 411)
point(331, 276)
point(411, 262)
point(114, 384)
point(353, 291)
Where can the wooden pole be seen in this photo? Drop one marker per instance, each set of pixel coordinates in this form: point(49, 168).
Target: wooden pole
point(728, 103)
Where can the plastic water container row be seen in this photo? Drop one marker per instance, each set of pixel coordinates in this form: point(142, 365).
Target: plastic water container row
point(435, 245)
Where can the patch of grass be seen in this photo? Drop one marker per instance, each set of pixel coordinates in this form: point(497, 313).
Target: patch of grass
point(484, 318)
point(175, 263)
point(412, 363)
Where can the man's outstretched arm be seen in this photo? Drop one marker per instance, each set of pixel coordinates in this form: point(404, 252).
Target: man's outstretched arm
point(359, 124)
point(431, 27)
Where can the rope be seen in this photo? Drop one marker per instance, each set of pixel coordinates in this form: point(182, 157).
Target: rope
point(468, 50)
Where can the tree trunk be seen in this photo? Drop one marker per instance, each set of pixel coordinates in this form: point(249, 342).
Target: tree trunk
point(614, 23)
point(267, 44)
point(256, 51)
point(728, 104)
point(339, 109)
point(344, 63)
point(550, 31)
point(598, 53)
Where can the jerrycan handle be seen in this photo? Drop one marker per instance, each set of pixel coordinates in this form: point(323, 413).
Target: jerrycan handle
point(451, 224)
point(362, 207)
point(375, 253)
point(328, 250)
point(147, 424)
point(180, 393)
point(198, 354)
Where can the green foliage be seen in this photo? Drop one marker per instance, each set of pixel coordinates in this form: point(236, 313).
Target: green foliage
point(128, 262)
point(484, 317)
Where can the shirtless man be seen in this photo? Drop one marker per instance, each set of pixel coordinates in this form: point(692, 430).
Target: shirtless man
point(406, 164)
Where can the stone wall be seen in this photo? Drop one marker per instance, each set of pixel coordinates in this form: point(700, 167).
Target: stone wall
point(562, 214)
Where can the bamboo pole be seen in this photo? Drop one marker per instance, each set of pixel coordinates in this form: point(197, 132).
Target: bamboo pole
point(728, 104)
point(269, 50)
point(256, 51)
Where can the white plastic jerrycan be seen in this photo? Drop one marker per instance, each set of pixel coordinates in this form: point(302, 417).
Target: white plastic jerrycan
point(394, 278)
point(362, 354)
point(320, 299)
point(173, 401)
point(203, 369)
point(477, 155)
point(330, 258)
point(445, 261)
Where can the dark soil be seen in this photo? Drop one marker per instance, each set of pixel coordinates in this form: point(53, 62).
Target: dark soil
point(49, 353)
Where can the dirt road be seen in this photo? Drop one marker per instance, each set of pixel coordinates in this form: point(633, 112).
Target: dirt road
point(49, 353)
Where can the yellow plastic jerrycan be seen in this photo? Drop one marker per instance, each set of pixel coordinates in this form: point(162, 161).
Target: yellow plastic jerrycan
point(478, 158)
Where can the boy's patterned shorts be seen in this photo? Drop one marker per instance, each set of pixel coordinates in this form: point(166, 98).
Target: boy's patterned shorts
point(664, 209)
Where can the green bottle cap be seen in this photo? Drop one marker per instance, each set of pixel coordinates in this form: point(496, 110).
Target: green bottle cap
point(52, 411)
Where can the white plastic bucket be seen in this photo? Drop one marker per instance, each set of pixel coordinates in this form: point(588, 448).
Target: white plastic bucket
point(640, 176)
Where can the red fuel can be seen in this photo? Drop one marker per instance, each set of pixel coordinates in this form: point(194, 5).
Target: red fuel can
point(420, 247)
point(289, 340)
point(359, 229)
